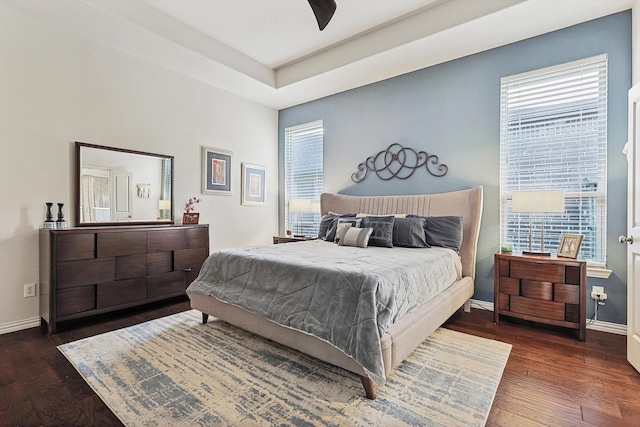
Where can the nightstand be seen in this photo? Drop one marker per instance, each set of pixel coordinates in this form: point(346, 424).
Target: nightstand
point(287, 239)
point(541, 289)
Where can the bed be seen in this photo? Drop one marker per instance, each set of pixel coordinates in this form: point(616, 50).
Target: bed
point(367, 345)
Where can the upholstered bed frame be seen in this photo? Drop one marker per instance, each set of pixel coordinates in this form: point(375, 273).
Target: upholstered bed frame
point(403, 337)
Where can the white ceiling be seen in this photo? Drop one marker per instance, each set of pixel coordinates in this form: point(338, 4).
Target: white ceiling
point(271, 51)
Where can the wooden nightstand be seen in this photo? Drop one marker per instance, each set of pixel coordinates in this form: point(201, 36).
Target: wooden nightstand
point(287, 239)
point(542, 289)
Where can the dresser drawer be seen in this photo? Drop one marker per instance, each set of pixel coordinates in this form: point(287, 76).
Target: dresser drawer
point(71, 247)
point(121, 292)
point(112, 244)
point(166, 240)
point(131, 266)
point(76, 300)
point(198, 237)
point(164, 284)
point(86, 272)
point(159, 262)
point(189, 258)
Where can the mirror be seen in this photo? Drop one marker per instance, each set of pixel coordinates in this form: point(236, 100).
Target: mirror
point(122, 187)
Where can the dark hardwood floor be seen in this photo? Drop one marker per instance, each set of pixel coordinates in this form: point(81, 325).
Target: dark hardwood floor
point(550, 379)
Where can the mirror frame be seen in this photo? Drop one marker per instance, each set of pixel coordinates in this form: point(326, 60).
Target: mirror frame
point(78, 184)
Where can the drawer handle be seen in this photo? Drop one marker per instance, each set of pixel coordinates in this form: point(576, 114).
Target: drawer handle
point(187, 270)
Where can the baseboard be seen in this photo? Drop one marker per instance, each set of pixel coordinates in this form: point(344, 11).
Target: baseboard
point(613, 328)
point(598, 325)
point(481, 305)
point(19, 325)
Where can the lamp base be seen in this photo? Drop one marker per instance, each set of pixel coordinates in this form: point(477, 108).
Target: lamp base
point(536, 253)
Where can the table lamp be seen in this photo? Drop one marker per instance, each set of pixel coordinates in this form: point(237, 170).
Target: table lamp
point(298, 206)
point(541, 201)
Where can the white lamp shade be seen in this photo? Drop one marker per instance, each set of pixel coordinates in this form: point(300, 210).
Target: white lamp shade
point(537, 201)
point(300, 205)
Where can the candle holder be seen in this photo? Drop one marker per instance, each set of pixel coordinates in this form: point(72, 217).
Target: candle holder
point(60, 223)
point(49, 223)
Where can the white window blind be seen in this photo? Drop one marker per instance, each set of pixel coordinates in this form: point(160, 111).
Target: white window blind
point(553, 136)
point(303, 168)
point(166, 187)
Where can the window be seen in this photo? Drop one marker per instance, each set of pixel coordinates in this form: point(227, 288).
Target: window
point(553, 136)
point(303, 170)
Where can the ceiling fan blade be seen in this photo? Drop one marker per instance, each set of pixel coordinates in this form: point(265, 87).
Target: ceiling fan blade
point(323, 10)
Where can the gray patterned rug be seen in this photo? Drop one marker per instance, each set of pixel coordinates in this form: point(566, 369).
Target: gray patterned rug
point(176, 371)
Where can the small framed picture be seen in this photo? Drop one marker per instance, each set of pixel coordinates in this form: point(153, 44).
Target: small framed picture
point(569, 245)
point(191, 218)
point(253, 184)
point(216, 171)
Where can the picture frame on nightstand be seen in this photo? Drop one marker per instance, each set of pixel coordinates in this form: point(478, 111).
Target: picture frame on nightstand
point(569, 245)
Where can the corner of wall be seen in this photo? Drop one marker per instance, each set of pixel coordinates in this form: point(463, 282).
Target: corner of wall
point(635, 43)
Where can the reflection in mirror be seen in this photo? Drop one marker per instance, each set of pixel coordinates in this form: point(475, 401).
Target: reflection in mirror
point(117, 186)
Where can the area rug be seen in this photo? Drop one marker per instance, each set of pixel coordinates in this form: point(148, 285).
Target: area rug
point(177, 371)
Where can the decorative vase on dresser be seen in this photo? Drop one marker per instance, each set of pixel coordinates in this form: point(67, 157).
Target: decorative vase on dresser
point(91, 270)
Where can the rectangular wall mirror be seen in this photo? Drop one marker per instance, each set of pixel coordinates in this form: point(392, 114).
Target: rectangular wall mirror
point(115, 186)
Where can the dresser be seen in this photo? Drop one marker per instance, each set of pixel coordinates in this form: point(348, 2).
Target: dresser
point(541, 289)
point(91, 270)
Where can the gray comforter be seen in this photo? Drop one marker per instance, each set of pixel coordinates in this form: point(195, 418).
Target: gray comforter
point(347, 296)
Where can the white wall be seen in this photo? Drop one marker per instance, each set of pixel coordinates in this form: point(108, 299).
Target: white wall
point(56, 88)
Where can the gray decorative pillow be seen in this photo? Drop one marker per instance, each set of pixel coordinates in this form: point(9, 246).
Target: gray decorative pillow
point(410, 232)
point(443, 231)
point(356, 237)
point(328, 224)
point(342, 224)
point(382, 234)
point(327, 220)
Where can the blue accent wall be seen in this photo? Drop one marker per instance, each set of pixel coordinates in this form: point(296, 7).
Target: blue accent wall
point(452, 110)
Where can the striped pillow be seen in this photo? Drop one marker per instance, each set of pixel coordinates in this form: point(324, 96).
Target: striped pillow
point(356, 237)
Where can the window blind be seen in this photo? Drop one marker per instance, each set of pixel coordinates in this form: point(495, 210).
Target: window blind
point(166, 186)
point(303, 164)
point(553, 136)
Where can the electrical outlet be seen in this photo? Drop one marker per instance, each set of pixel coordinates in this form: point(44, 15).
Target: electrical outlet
point(597, 293)
point(30, 290)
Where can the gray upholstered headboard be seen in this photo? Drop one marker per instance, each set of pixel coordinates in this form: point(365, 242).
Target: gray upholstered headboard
point(464, 203)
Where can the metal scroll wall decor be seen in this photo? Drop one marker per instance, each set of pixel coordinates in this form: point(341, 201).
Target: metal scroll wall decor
point(399, 162)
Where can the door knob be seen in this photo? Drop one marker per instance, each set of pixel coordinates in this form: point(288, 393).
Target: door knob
point(625, 239)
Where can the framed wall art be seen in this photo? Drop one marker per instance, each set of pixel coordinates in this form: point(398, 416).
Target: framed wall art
point(216, 171)
point(253, 184)
point(569, 245)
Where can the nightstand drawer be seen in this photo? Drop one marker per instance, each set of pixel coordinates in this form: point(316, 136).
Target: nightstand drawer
point(569, 294)
point(536, 289)
point(509, 285)
point(533, 307)
point(535, 271)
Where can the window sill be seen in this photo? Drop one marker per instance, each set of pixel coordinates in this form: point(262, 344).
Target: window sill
point(598, 272)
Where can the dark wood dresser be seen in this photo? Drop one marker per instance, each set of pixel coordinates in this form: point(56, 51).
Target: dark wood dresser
point(87, 271)
point(541, 289)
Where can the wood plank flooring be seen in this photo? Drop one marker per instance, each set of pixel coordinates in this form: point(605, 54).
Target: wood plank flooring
point(551, 379)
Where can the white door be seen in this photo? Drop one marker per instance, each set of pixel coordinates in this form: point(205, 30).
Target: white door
point(121, 196)
point(633, 231)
